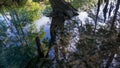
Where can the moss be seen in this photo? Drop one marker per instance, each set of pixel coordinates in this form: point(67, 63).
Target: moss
point(12, 3)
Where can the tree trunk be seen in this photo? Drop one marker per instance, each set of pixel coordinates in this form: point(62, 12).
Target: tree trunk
point(61, 11)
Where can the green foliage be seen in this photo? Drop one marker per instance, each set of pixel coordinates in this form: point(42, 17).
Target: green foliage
point(37, 0)
point(84, 4)
point(47, 10)
point(30, 12)
point(16, 56)
point(3, 29)
point(3, 35)
point(18, 49)
point(92, 45)
point(12, 3)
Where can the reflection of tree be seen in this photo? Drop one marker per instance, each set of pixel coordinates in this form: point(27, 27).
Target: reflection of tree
point(61, 11)
point(17, 36)
point(95, 44)
point(99, 49)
